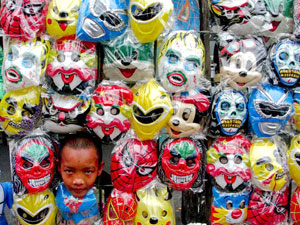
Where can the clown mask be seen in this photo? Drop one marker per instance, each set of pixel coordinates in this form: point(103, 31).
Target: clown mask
point(294, 159)
point(133, 164)
point(108, 116)
point(23, 19)
point(181, 61)
point(25, 63)
point(21, 110)
point(295, 206)
point(72, 67)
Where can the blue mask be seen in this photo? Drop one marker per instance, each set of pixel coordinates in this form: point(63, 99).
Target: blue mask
point(6, 198)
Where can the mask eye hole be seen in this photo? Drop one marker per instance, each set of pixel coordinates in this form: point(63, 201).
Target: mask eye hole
point(144, 214)
point(100, 112)
point(45, 163)
point(229, 205)
point(242, 204)
point(283, 56)
point(174, 160)
point(164, 213)
point(269, 167)
point(26, 114)
point(75, 56)
point(114, 111)
point(223, 160)
point(61, 57)
point(190, 162)
point(225, 106)
point(27, 165)
point(11, 110)
point(238, 159)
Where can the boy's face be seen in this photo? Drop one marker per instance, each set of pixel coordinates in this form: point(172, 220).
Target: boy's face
point(79, 169)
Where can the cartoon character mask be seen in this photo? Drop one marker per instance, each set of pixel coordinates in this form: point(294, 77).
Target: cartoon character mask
point(268, 165)
point(148, 18)
point(294, 207)
point(6, 198)
point(108, 116)
point(72, 67)
point(229, 208)
point(21, 110)
point(229, 112)
point(268, 207)
point(181, 162)
point(127, 59)
point(151, 109)
point(23, 19)
point(189, 111)
point(294, 159)
point(102, 20)
point(65, 114)
point(25, 63)
point(241, 61)
point(270, 107)
point(228, 162)
point(133, 164)
point(181, 61)
point(38, 209)
point(120, 208)
point(33, 163)
point(61, 20)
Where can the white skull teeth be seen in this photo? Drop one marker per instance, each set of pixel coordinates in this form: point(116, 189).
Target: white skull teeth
point(39, 182)
point(181, 179)
point(231, 123)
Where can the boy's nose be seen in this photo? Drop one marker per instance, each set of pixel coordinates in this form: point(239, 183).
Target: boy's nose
point(78, 181)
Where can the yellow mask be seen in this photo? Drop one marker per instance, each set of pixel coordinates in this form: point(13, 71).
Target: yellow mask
point(293, 155)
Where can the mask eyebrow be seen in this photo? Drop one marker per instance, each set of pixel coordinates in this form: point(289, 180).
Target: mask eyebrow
point(263, 160)
point(11, 101)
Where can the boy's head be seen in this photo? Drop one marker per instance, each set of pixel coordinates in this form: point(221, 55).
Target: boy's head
point(80, 163)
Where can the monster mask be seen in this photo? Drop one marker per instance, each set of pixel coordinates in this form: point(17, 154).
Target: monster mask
point(21, 110)
point(295, 206)
point(181, 62)
point(294, 159)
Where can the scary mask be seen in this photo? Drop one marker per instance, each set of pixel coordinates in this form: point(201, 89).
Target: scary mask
point(151, 109)
point(72, 67)
point(108, 116)
point(38, 209)
point(65, 114)
point(25, 63)
point(181, 62)
point(21, 110)
point(23, 19)
point(133, 164)
point(120, 208)
point(270, 107)
point(268, 207)
point(101, 20)
point(295, 206)
point(228, 163)
point(294, 159)
point(127, 59)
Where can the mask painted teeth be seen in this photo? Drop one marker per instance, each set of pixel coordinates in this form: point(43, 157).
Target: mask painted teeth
point(181, 179)
point(39, 182)
point(290, 74)
point(231, 123)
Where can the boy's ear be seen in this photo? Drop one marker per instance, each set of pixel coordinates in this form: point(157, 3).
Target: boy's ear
point(101, 166)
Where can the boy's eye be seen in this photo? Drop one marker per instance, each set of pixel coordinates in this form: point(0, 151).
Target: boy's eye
point(89, 172)
point(68, 171)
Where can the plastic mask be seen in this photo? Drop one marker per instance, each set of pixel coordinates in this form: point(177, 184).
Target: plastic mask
point(181, 61)
point(25, 63)
point(21, 110)
point(268, 165)
point(148, 18)
point(268, 207)
point(127, 59)
point(151, 109)
point(154, 207)
point(294, 206)
point(133, 164)
point(293, 159)
point(72, 67)
point(108, 116)
point(297, 108)
point(38, 209)
point(120, 208)
point(61, 20)
point(101, 20)
point(23, 19)
point(65, 114)
point(229, 208)
point(270, 107)
point(228, 163)
point(6, 198)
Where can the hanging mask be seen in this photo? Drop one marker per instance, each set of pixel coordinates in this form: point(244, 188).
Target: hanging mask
point(2, 91)
point(21, 111)
point(25, 63)
point(268, 165)
point(23, 19)
point(297, 108)
point(133, 164)
point(181, 62)
point(127, 59)
point(108, 116)
point(270, 107)
point(151, 109)
point(120, 208)
point(38, 209)
point(72, 67)
point(229, 208)
point(229, 112)
point(189, 111)
point(294, 159)
point(295, 206)
point(228, 163)
point(61, 20)
point(181, 162)
point(101, 20)
point(241, 61)
point(268, 207)
point(65, 114)
point(6, 198)
point(148, 18)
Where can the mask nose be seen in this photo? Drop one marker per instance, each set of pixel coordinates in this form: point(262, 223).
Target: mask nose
point(243, 73)
point(153, 220)
point(175, 122)
point(63, 14)
point(36, 169)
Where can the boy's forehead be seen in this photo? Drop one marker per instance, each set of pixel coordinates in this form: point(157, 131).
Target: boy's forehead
point(69, 153)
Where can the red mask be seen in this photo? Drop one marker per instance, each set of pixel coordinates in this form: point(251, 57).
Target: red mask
point(133, 164)
point(295, 207)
